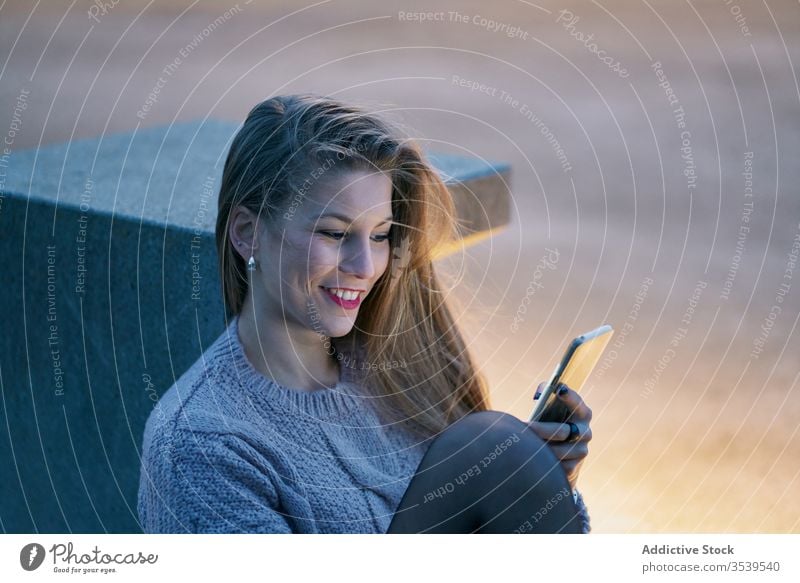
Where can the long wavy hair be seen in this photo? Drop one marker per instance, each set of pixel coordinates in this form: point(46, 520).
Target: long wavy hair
point(405, 318)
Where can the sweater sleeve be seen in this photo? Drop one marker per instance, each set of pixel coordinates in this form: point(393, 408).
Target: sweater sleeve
point(583, 514)
point(209, 483)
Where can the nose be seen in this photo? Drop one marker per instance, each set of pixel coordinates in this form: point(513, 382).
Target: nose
point(356, 258)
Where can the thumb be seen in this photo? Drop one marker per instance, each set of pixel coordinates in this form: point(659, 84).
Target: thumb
point(540, 389)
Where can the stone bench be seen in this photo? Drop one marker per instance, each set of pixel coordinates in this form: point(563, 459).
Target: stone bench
point(111, 289)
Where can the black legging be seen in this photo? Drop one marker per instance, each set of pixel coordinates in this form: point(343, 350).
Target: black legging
point(487, 473)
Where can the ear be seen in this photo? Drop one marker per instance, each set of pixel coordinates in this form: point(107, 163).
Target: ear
point(242, 231)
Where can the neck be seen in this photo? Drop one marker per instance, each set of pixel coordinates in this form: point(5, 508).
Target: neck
point(292, 357)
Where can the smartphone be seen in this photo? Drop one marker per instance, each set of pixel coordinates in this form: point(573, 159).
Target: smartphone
point(575, 367)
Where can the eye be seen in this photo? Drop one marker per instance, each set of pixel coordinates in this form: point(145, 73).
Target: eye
point(338, 235)
point(332, 234)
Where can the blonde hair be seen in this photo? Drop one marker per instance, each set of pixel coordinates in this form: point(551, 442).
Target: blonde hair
point(405, 318)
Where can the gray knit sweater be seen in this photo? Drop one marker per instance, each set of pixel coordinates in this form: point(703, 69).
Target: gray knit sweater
point(228, 450)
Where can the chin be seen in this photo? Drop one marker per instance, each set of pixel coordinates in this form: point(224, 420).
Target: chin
point(339, 329)
point(332, 326)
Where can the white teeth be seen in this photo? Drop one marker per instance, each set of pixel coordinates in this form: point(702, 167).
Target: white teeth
point(344, 294)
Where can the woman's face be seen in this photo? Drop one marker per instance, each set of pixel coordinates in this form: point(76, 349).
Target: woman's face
point(335, 247)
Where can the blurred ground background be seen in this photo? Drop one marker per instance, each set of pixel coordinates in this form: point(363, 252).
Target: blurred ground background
point(696, 423)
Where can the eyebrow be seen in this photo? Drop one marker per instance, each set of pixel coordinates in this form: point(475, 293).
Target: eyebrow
point(347, 219)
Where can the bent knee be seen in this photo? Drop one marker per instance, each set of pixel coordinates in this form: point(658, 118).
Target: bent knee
point(492, 421)
point(493, 427)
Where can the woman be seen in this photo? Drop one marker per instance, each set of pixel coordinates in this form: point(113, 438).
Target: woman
point(342, 397)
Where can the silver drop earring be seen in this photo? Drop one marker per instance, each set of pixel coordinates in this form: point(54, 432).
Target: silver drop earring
point(251, 264)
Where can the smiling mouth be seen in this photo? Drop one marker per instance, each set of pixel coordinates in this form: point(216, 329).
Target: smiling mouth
point(348, 299)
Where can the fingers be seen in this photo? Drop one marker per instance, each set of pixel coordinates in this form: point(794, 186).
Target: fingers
point(570, 451)
point(572, 454)
point(580, 410)
point(559, 432)
point(572, 469)
point(549, 431)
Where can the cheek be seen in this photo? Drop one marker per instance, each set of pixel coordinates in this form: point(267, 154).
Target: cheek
point(300, 260)
point(321, 258)
point(381, 259)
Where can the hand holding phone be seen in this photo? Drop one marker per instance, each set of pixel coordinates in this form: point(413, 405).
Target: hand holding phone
point(575, 367)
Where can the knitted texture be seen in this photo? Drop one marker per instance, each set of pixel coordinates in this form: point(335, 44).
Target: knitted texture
point(228, 450)
point(583, 515)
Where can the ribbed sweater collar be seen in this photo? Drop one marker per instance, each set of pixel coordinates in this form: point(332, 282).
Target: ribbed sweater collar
point(339, 402)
